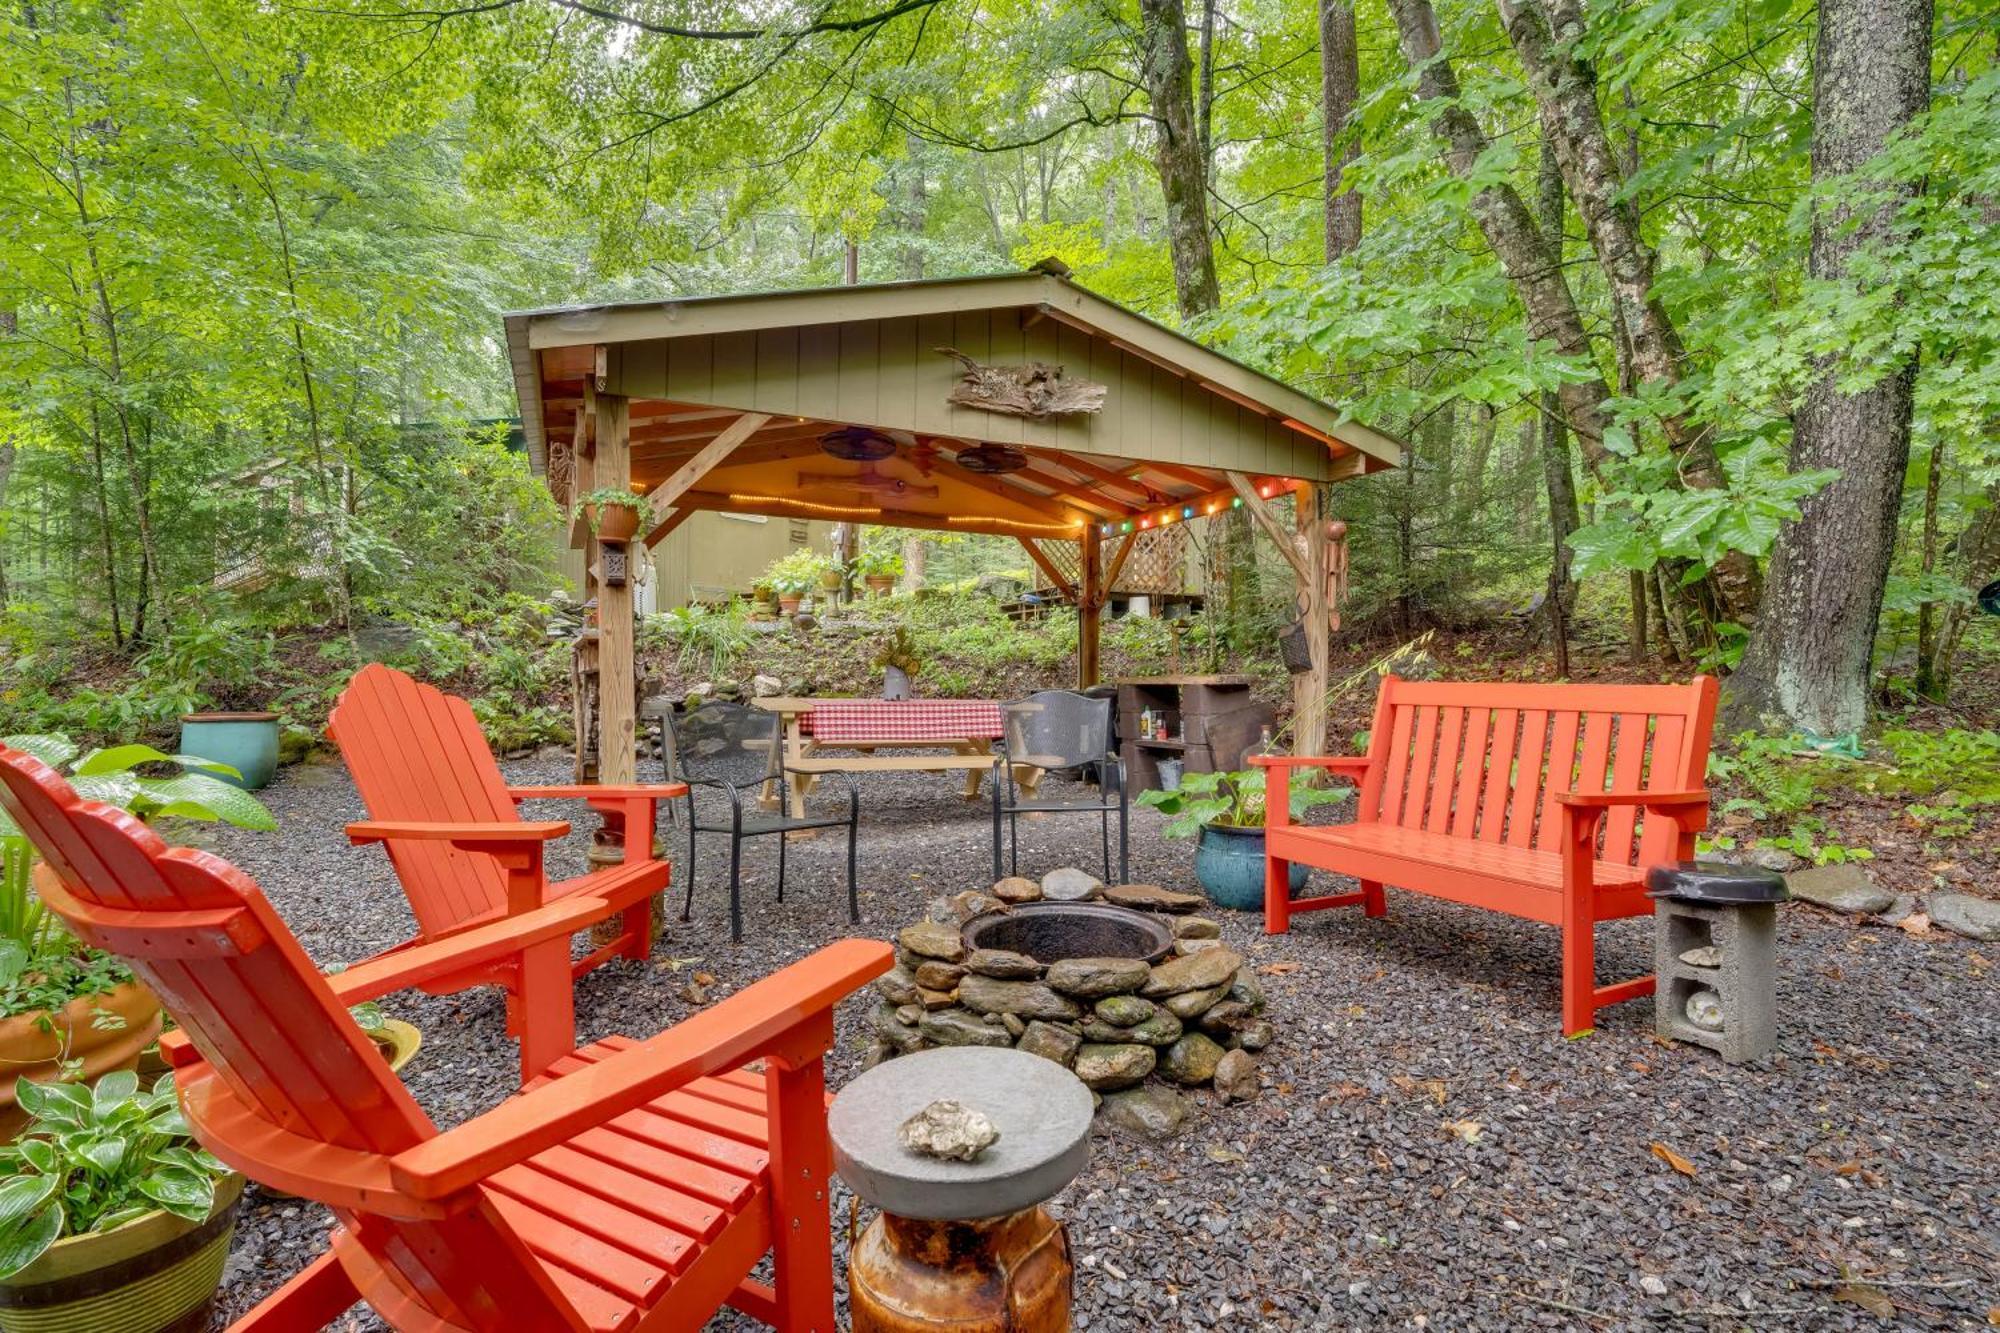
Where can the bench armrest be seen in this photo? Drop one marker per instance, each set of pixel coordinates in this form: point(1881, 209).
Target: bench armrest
point(778, 1016)
point(1340, 763)
point(471, 837)
point(1653, 800)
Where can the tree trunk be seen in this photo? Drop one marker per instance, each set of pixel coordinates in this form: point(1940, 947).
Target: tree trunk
point(1168, 76)
point(1508, 226)
point(1565, 88)
point(913, 563)
point(1556, 477)
point(1927, 617)
point(1808, 662)
point(1340, 93)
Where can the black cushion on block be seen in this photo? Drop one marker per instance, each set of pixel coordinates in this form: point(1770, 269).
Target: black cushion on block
point(1717, 883)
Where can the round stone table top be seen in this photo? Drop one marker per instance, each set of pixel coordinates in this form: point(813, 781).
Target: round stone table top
point(1042, 1111)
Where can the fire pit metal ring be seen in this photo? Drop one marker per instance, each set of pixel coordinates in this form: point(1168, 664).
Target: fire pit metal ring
point(1049, 932)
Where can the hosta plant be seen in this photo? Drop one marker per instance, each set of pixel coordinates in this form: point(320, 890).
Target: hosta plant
point(96, 1158)
point(1231, 800)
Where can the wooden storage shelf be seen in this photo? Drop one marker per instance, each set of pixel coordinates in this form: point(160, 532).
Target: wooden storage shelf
point(1215, 718)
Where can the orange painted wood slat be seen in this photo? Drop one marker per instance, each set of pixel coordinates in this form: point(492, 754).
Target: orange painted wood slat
point(658, 1199)
point(1443, 781)
point(726, 1189)
point(1499, 781)
point(1596, 757)
point(1558, 775)
point(1658, 837)
point(1396, 775)
point(1628, 773)
point(1471, 773)
point(620, 1215)
point(1529, 759)
point(1422, 754)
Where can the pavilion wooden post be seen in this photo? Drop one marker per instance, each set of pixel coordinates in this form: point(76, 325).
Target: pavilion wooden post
point(1089, 607)
point(617, 726)
point(1309, 687)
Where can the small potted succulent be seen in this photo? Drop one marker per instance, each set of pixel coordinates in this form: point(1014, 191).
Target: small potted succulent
point(613, 514)
point(68, 1011)
point(111, 1215)
point(1226, 810)
point(899, 662)
point(879, 569)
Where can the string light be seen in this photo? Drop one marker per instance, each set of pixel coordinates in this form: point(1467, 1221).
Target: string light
point(1187, 511)
point(786, 502)
point(1014, 526)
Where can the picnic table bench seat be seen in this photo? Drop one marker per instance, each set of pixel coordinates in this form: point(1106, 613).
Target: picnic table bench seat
point(1547, 802)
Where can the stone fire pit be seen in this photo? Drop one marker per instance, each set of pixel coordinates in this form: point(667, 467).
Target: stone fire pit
point(1124, 985)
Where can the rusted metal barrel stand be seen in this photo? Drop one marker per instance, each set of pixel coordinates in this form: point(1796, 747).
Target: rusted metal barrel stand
point(962, 1247)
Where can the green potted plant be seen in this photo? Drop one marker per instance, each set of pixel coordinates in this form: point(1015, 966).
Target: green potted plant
point(899, 663)
point(1226, 810)
point(111, 1215)
point(794, 574)
point(613, 514)
point(67, 1010)
point(879, 568)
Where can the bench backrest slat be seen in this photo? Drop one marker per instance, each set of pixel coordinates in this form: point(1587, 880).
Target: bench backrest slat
point(1488, 761)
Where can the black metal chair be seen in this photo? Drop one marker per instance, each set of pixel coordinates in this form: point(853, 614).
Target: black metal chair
point(1058, 729)
point(736, 750)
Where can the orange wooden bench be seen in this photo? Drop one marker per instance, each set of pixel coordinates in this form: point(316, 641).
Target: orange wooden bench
point(1542, 801)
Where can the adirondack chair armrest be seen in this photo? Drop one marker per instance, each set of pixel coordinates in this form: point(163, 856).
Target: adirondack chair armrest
point(611, 791)
point(781, 1016)
point(635, 806)
point(465, 949)
point(472, 837)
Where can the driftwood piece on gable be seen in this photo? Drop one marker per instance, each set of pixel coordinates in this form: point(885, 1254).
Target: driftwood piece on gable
point(1033, 390)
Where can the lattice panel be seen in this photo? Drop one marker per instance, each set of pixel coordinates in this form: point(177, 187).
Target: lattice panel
point(1156, 567)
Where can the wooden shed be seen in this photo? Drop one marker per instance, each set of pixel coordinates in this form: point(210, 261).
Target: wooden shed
point(1019, 405)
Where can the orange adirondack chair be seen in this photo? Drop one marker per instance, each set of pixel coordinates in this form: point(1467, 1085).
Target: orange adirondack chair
point(1548, 802)
point(465, 856)
point(633, 1188)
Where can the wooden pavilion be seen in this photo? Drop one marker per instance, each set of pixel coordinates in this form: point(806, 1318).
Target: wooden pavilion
point(1019, 405)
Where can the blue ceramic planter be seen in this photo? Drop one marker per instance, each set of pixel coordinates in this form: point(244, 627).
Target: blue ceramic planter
point(247, 742)
point(1229, 864)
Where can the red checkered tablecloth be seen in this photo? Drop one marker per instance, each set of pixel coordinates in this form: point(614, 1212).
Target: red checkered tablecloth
point(885, 722)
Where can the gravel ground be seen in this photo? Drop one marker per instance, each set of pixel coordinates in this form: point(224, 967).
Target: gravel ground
point(1428, 1152)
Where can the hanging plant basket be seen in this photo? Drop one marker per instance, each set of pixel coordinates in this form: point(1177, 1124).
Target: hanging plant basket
point(614, 523)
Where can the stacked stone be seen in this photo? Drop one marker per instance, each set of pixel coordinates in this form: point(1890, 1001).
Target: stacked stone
point(1192, 1020)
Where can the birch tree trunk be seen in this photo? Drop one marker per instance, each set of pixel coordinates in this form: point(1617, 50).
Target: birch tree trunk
point(1340, 93)
point(1168, 76)
point(1808, 662)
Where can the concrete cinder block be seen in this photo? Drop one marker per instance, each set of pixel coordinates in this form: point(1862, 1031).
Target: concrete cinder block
point(1745, 982)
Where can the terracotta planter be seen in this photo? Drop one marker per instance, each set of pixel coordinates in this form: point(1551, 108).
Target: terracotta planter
point(879, 584)
point(613, 523)
point(156, 1273)
point(25, 1049)
point(788, 604)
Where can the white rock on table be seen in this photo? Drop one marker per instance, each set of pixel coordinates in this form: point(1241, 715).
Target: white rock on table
point(949, 1131)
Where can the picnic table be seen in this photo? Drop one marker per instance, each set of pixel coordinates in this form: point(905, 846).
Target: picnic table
point(951, 736)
